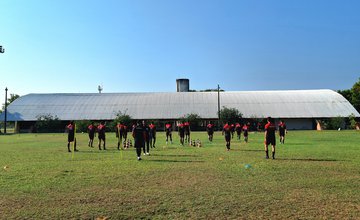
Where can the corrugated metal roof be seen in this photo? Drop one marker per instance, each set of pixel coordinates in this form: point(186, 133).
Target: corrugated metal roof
point(95, 106)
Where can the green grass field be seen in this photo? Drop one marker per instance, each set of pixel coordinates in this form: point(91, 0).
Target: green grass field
point(316, 175)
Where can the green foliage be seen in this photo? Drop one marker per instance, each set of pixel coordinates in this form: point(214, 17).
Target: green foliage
point(81, 126)
point(48, 123)
point(352, 121)
point(346, 93)
point(123, 118)
point(332, 123)
point(230, 115)
point(355, 95)
point(12, 98)
point(194, 120)
point(336, 123)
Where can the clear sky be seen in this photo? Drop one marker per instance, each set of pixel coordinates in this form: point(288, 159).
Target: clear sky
point(68, 46)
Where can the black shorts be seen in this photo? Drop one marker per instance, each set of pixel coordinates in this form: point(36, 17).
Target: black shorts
point(91, 136)
point(227, 138)
point(71, 137)
point(270, 141)
point(101, 137)
point(168, 133)
point(210, 133)
point(282, 133)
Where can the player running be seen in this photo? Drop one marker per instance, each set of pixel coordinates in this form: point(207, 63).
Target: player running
point(238, 130)
point(210, 131)
point(168, 129)
point(91, 131)
point(181, 128)
point(152, 135)
point(282, 131)
point(138, 135)
point(146, 138)
point(186, 126)
point(101, 134)
point(245, 129)
point(119, 134)
point(227, 132)
point(270, 130)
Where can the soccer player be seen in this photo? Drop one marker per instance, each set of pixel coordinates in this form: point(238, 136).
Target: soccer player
point(125, 132)
point(146, 138)
point(238, 130)
point(186, 126)
point(270, 130)
point(91, 131)
point(152, 135)
point(138, 135)
point(227, 132)
point(282, 131)
point(71, 135)
point(210, 131)
point(119, 133)
point(245, 129)
point(232, 127)
point(181, 128)
point(168, 129)
point(101, 134)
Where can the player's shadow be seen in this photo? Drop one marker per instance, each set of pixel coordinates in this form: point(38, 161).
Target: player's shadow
point(310, 159)
point(178, 161)
point(173, 155)
point(248, 150)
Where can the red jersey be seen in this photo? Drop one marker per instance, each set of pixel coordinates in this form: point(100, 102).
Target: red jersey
point(152, 126)
point(270, 128)
point(245, 127)
point(168, 126)
point(210, 126)
point(70, 127)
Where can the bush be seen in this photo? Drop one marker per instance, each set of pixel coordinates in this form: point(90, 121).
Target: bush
point(194, 120)
point(48, 123)
point(81, 126)
point(230, 115)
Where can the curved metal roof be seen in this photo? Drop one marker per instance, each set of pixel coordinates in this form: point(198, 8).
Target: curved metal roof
point(95, 106)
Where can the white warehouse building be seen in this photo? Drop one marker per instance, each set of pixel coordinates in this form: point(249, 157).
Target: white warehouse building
point(299, 108)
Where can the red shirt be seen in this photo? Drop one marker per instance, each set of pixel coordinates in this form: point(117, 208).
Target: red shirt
point(70, 127)
point(151, 126)
point(210, 125)
point(227, 127)
point(101, 127)
point(168, 126)
point(245, 127)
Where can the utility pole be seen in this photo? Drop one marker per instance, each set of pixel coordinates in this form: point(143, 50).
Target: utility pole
point(6, 89)
point(218, 104)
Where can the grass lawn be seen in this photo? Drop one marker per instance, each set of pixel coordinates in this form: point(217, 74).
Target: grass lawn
point(316, 175)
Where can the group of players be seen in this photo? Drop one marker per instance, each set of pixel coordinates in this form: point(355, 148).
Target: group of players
point(145, 135)
point(270, 131)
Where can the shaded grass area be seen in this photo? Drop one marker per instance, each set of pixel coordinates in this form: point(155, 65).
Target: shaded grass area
point(316, 175)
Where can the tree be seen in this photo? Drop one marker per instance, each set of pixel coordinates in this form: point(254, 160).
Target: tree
point(48, 123)
point(346, 93)
point(123, 118)
point(355, 95)
point(194, 120)
point(230, 115)
point(12, 98)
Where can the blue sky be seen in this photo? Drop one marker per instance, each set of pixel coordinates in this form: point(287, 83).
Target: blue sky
point(145, 45)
